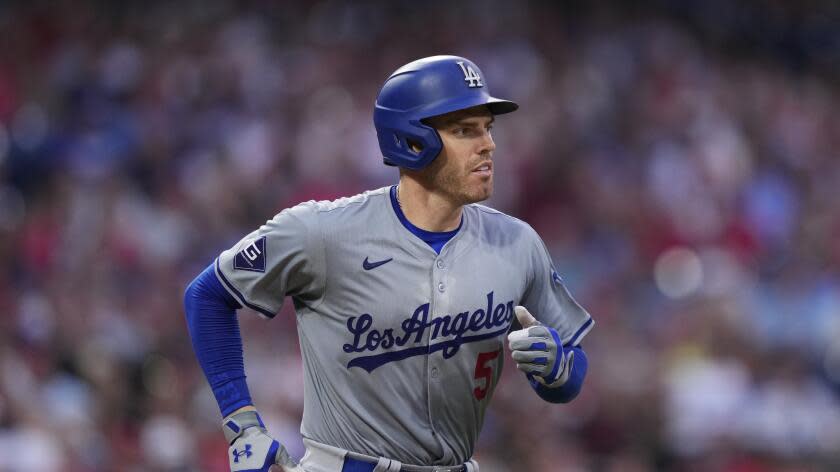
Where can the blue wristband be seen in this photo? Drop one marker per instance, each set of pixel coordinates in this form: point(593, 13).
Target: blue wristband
point(569, 390)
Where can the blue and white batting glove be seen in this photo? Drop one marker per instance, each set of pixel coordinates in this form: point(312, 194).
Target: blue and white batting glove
point(538, 351)
point(251, 448)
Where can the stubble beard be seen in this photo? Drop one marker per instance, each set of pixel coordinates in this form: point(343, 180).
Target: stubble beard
point(452, 181)
point(454, 184)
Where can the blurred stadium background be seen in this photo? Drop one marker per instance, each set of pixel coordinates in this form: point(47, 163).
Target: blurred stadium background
point(680, 158)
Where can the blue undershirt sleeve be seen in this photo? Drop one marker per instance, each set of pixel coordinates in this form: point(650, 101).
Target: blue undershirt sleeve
point(568, 391)
point(214, 330)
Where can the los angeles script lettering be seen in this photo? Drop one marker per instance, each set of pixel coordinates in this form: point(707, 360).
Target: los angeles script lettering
point(456, 327)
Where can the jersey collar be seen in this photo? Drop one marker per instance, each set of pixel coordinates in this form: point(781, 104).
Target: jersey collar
point(421, 234)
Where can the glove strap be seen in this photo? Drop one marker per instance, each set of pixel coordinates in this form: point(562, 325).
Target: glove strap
point(235, 425)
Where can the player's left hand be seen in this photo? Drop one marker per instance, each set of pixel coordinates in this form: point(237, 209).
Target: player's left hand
point(538, 351)
point(252, 449)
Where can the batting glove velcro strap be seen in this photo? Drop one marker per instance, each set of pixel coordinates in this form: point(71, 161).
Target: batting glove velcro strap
point(251, 448)
point(538, 351)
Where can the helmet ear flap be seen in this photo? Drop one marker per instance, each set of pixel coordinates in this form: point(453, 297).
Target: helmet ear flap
point(414, 146)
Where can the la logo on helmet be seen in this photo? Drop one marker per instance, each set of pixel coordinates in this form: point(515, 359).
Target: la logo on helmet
point(470, 76)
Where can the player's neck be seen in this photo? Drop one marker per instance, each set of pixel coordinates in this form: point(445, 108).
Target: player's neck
point(428, 210)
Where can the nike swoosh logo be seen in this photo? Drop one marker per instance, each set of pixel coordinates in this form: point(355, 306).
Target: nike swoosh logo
point(373, 265)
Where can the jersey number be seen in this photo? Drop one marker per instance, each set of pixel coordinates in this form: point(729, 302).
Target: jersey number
point(485, 372)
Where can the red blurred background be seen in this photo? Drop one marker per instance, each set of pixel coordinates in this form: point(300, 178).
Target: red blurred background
point(680, 158)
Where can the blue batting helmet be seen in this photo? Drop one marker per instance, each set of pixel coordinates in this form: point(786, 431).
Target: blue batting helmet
point(422, 89)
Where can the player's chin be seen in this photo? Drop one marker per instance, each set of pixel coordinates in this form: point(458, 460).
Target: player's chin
point(480, 191)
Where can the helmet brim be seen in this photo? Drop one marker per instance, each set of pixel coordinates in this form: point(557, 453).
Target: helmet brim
point(497, 106)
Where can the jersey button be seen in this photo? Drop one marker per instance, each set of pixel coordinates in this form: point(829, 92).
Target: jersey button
point(441, 287)
point(435, 372)
point(440, 264)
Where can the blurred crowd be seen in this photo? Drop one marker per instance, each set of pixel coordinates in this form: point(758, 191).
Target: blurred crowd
point(684, 182)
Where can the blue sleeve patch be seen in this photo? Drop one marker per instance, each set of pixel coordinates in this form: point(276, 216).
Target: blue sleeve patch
point(252, 257)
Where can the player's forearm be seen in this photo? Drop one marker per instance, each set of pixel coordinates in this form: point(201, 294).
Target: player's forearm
point(568, 391)
point(214, 330)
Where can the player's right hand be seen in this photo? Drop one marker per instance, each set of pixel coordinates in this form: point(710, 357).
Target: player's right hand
point(538, 352)
point(251, 448)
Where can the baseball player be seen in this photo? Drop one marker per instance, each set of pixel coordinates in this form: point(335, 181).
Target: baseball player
point(403, 297)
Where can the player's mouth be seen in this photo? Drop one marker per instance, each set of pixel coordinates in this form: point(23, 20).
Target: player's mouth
point(485, 169)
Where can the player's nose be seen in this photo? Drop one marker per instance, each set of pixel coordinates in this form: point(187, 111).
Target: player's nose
point(487, 145)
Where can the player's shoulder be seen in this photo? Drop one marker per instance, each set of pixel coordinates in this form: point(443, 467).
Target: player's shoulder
point(487, 214)
point(491, 221)
point(313, 210)
point(353, 202)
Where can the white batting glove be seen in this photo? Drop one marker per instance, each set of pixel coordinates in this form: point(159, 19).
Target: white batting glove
point(251, 448)
point(538, 351)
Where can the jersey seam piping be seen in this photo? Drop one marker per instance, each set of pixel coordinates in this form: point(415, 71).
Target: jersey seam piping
point(326, 261)
point(323, 246)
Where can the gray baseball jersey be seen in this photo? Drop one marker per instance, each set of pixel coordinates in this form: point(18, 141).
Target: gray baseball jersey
point(402, 347)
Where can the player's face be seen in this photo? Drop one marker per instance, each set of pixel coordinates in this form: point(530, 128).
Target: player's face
point(464, 169)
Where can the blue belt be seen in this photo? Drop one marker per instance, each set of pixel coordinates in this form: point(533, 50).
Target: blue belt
point(354, 465)
point(357, 465)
